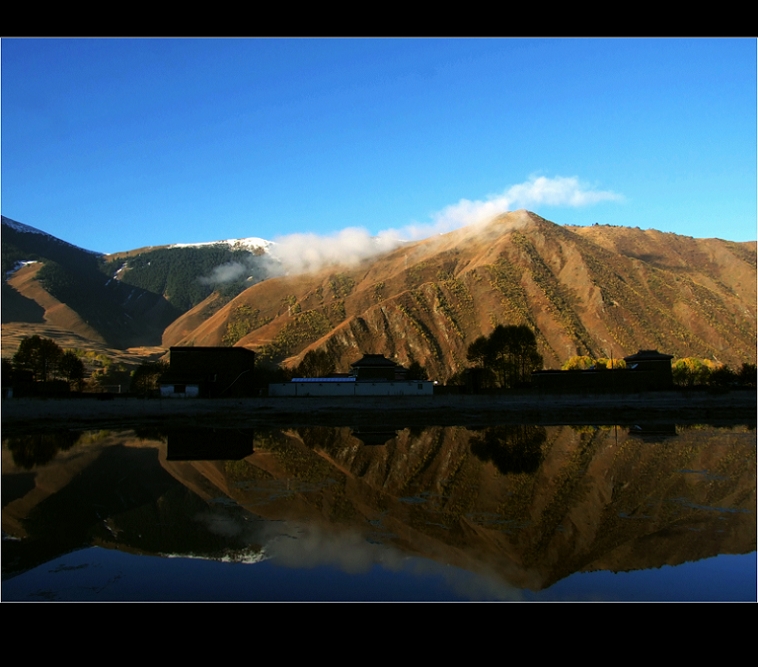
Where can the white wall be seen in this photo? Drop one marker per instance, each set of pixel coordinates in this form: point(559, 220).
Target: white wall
point(351, 389)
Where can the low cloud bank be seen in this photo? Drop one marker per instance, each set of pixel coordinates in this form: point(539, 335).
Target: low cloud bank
point(303, 253)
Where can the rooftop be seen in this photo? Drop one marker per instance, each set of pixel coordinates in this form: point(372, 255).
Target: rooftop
point(648, 355)
point(374, 361)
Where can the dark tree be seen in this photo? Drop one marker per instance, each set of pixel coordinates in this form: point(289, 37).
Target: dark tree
point(522, 352)
point(37, 449)
point(145, 378)
point(416, 372)
point(39, 355)
point(71, 368)
point(267, 373)
point(509, 353)
point(315, 364)
point(479, 352)
point(747, 375)
point(513, 449)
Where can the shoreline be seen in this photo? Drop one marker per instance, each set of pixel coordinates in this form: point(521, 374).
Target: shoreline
point(26, 415)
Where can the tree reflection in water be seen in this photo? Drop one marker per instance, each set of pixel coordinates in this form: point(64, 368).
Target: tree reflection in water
point(525, 505)
point(515, 448)
point(37, 449)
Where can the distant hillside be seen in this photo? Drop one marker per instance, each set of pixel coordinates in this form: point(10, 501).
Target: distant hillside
point(22, 243)
point(596, 290)
point(66, 284)
point(184, 275)
point(124, 300)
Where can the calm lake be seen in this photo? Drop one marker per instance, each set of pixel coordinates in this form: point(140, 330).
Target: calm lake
point(514, 512)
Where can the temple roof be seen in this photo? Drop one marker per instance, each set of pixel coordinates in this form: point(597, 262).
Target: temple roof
point(648, 355)
point(374, 361)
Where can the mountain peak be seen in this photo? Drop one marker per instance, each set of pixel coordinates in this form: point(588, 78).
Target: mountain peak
point(21, 227)
point(519, 218)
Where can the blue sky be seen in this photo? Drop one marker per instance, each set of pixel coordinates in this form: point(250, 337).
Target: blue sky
point(114, 144)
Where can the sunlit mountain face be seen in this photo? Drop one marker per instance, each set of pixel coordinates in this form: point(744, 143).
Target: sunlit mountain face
point(599, 291)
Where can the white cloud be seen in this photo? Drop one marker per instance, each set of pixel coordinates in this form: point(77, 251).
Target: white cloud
point(225, 273)
point(300, 253)
point(536, 192)
point(303, 253)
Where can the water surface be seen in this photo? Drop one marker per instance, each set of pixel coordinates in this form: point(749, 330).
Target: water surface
point(513, 512)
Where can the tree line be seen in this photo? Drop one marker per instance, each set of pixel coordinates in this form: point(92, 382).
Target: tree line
point(44, 361)
point(41, 361)
point(686, 371)
point(693, 371)
point(504, 359)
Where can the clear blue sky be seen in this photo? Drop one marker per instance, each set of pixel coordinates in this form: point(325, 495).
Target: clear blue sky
point(113, 144)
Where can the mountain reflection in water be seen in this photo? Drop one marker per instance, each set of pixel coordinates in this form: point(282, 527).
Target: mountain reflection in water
point(503, 512)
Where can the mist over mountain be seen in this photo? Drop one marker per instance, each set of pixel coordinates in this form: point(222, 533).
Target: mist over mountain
point(596, 290)
point(584, 290)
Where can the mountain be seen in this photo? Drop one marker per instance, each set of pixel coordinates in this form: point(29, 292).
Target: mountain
point(47, 280)
point(597, 290)
point(125, 299)
point(185, 275)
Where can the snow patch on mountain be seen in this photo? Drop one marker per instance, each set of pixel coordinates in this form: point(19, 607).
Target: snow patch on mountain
point(251, 243)
point(19, 265)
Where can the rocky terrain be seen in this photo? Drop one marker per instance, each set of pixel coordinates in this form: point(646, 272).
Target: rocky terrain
point(600, 291)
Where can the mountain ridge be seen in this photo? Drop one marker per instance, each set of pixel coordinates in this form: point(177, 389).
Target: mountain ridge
point(427, 301)
point(124, 299)
point(597, 290)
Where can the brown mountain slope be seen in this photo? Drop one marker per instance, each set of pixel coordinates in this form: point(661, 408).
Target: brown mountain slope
point(189, 321)
point(56, 313)
point(596, 290)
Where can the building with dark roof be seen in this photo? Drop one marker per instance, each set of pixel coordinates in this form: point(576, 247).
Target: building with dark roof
point(647, 370)
point(209, 372)
point(654, 363)
point(372, 375)
point(375, 367)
